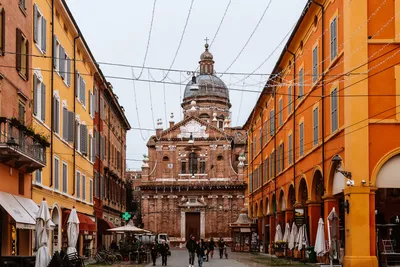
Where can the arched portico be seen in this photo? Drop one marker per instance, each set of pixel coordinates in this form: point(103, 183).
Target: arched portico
point(56, 233)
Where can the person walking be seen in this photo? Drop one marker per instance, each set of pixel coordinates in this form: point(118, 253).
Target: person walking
point(206, 250)
point(200, 251)
point(164, 250)
point(211, 247)
point(191, 247)
point(154, 253)
point(221, 246)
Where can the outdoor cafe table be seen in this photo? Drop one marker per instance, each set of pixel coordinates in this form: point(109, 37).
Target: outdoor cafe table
point(17, 261)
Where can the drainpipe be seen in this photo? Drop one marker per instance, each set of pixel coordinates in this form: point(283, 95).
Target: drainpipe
point(275, 117)
point(74, 153)
point(294, 120)
point(322, 96)
point(51, 99)
point(109, 152)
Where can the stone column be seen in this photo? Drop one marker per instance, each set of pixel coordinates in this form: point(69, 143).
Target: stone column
point(183, 225)
point(289, 215)
point(272, 228)
point(314, 213)
point(202, 224)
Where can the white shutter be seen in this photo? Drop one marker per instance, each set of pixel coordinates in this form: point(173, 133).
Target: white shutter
point(35, 24)
point(65, 124)
point(43, 35)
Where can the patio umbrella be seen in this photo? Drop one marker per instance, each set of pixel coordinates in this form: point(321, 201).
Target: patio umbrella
point(41, 235)
point(302, 240)
point(278, 233)
point(332, 234)
point(287, 233)
point(72, 231)
point(320, 239)
point(130, 227)
point(293, 236)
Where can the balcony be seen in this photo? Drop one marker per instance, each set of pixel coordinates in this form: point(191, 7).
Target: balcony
point(20, 147)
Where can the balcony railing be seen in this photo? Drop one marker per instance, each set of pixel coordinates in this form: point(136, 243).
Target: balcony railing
point(20, 147)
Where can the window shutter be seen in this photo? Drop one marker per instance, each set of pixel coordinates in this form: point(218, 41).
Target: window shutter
point(43, 102)
point(84, 143)
point(90, 154)
point(35, 24)
point(26, 70)
point(96, 100)
point(56, 117)
point(101, 107)
point(35, 97)
point(44, 40)
point(77, 84)
point(83, 92)
point(19, 50)
point(90, 104)
point(68, 74)
point(3, 30)
point(71, 125)
point(61, 64)
point(65, 123)
point(54, 52)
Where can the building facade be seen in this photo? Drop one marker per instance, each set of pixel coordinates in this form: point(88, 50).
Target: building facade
point(134, 195)
point(192, 182)
point(111, 127)
point(324, 133)
point(22, 150)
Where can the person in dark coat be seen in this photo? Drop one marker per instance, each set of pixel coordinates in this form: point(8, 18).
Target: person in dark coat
point(154, 252)
point(200, 252)
point(221, 246)
point(164, 249)
point(114, 245)
point(211, 247)
point(191, 247)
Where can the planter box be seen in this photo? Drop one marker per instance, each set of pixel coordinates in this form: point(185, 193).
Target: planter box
point(297, 254)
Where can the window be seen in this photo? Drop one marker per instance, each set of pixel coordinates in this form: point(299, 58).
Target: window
point(96, 185)
point(22, 54)
point(315, 64)
point(334, 110)
point(290, 99)
point(261, 138)
point(301, 84)
point(282, 156)
point(92, 148)
point(254, 147)
point(2, 31)
point(21, 183)
point(83, 187)
point(271, 122)
point(266, 169)
point(280, 112)
point(56, 173)
point(251, 182)
point(273, 164)
point(192, 163)
point(80, 89)
point(39, 29)
point(61, 62)
point(278, 159)
point(78, 185)
point(22, 3)
point(183, 167)
point(38, 176)
point(65, 178)
point(82, 138)
point(301, 132)
point(290, 149)
point(21, 112)
point(315, 126)
point(92, 103)
point(102, 187)
point(333, 29)
point(202, 167)
point(91, 191)
point(220, 124)
point(102, 113)
point(39, 98)
point(56, 114)
point(266, 131)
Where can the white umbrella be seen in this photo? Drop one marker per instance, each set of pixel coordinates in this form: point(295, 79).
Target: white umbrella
point(41, 231)
point(72, 231)
point(130, 227)
point(332, 234)
point(320, 239)
point(287, 233)
point(302, 240)
point(278, 233)
point(293, 236)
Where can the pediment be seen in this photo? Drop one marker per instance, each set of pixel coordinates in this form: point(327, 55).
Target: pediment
point(194, 128)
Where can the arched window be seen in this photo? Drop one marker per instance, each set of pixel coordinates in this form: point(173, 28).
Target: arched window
point(166, 164)
point(192, 163)
point(220, 157)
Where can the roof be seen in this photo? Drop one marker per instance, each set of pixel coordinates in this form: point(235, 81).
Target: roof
point(209, 85)
point(276, 68)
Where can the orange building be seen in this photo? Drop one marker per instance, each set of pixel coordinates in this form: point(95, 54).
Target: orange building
point(325, 131)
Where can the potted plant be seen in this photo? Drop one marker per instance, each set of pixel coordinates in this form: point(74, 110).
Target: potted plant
point(280, 248)
point(29, 131)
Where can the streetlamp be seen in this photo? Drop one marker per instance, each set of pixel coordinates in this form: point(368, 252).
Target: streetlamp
point(338, 162)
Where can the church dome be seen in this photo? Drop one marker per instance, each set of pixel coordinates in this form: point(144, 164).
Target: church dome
point(206, 55)
point(209, 86)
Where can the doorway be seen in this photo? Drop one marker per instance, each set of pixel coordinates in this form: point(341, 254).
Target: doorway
point(192, 225)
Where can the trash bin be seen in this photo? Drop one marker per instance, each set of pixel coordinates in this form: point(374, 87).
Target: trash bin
point(311, 255)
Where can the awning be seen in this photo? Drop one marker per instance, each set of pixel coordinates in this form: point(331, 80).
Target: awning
point(31, 207)
point(86, 224)
point(21, 217)
point(245, 230)
point(103, 225)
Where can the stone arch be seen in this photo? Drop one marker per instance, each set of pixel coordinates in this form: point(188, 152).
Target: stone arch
point(302, 191)
point(282, 201)
point(261, 209)
point(274, 207)
point(378, 166)
point(291, 197)
point(255, 210)
point(267, 208)
point(317, 185)
point(56, 233)
point(331, 177)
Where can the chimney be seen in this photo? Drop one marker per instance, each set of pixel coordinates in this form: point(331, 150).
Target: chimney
point(159, 127)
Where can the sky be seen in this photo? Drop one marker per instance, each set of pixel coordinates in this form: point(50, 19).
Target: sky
point(249, 40)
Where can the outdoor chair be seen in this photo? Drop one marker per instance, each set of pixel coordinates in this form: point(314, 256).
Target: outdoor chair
point(389, 256)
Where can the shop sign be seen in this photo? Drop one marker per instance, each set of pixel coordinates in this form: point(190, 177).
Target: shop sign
point(299, 218)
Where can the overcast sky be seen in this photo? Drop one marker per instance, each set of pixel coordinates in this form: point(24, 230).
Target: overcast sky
point(117, 32)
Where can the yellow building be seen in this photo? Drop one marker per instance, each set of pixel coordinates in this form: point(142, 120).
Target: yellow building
point(63, 86)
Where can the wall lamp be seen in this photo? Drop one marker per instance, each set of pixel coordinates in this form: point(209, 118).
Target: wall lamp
point(338, 162)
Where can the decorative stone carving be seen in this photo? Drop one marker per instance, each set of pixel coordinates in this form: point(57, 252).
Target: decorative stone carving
point(227, 147)
point(159, 148)
point(195, 128)
point(213, 147)
point(171, 148)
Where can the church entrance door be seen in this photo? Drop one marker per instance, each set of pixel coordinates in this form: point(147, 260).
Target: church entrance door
point(192, 225)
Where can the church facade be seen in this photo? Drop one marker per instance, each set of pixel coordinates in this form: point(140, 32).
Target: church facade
point(193, 179)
